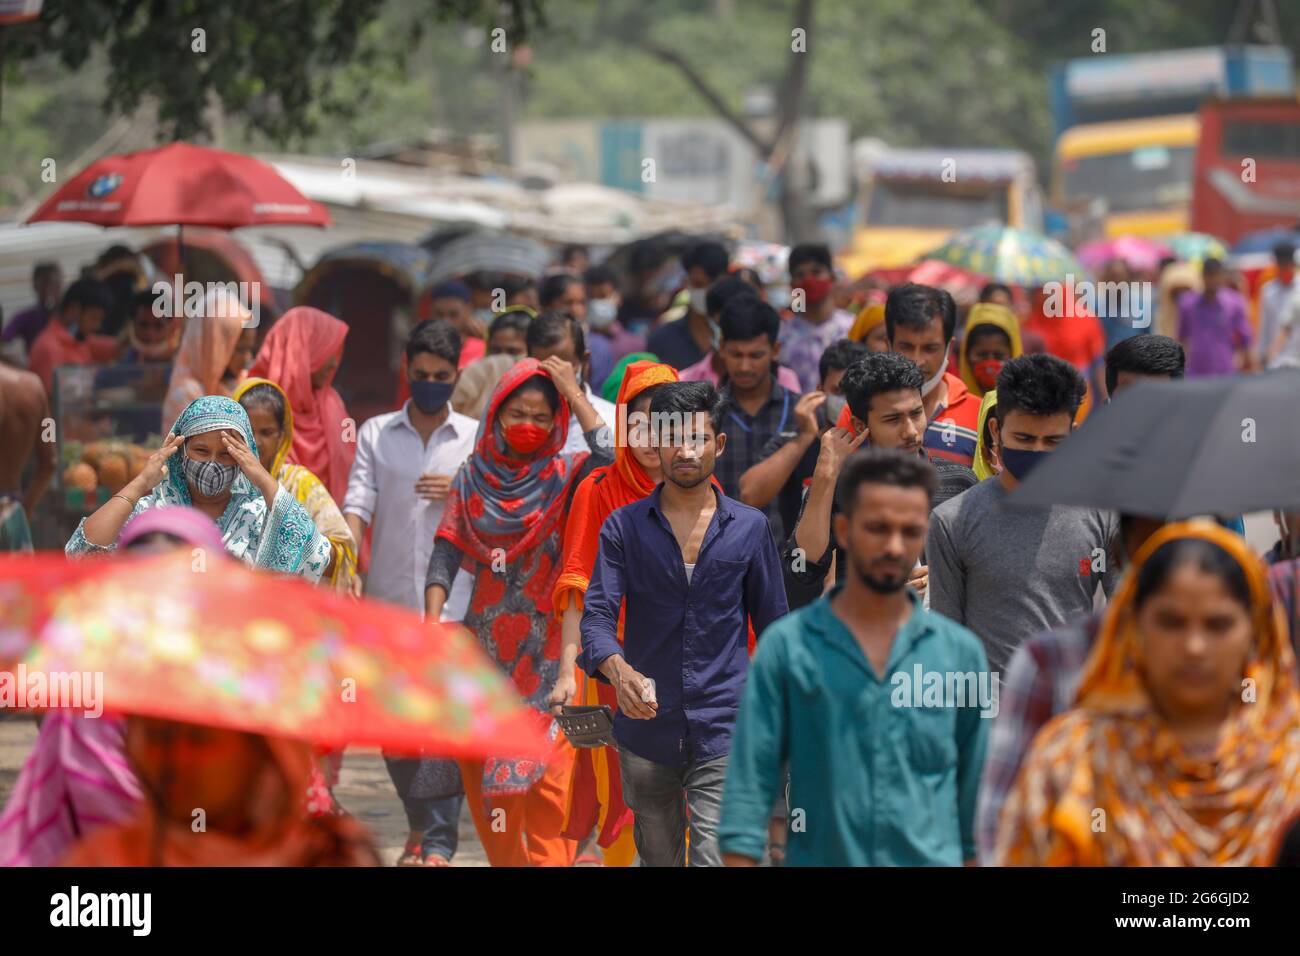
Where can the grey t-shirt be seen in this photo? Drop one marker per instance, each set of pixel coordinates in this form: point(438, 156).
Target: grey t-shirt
point(1008, 573)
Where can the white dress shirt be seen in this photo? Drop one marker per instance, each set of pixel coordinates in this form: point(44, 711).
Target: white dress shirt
point(381, 491)
point(1274, 299)
point(606, 411)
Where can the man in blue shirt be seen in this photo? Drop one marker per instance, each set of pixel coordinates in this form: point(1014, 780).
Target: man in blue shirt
point(880, 708)
point(694, 567)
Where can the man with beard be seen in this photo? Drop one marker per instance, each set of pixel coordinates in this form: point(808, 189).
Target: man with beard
point(881, 774)
point(694, 568)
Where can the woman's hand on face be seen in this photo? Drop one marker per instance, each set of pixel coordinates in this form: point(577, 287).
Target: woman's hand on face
point(564, 377)
point(156, 467)
point(249, 464)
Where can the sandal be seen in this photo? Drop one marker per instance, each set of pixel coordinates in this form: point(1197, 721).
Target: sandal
point(435, 859)
point(410, 854)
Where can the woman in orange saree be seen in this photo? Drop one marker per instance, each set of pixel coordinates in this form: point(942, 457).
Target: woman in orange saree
point(596, 795)
point(1183, 748)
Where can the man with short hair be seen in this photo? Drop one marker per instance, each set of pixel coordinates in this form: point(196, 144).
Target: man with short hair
point(603, 304)
point(1275, 296)
point(399, 483)
point(554, 333)
point(1044, 671)
point(695, 569)
point(1142, 357)
point(882, 774)
point(47, 283)
point(886, 411)
point(1213, 327)
point(683, 342)
point(763, 419)
point(711, 368)
point(835, 362)
point(815, 322)
point(919, 320)
point(452, 301)
point(1008, 571)
point(70, 337)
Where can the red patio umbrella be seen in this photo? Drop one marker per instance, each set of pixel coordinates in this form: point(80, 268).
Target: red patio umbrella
point(181, 184)
point(222, 645)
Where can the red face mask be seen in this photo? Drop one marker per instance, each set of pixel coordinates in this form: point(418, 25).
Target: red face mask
point(815, 288)
point(986, 373)
point(526, 437)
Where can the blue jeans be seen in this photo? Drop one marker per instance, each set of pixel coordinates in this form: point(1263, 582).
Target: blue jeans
point(438, 818)
point(666, 800)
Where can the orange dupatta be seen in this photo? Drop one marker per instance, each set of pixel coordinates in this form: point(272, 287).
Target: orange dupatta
point(1106, 784)
point(596, 794)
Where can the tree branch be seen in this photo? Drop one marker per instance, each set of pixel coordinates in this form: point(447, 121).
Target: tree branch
point(790, 97)
point(707, 93)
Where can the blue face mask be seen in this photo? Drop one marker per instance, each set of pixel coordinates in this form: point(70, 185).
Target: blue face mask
point(430, 397)
point(1020, 461)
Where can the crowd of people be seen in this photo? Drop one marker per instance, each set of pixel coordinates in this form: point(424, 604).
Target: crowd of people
point(780, 542)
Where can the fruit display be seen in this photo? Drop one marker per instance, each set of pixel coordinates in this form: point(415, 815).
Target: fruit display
point(109, 463)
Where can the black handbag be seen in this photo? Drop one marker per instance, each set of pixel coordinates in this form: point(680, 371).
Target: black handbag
point(588, 727)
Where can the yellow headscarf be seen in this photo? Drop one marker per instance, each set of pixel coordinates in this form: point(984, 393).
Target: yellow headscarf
point(987, 404)
point(286, 436)
point(998, 316)
point(1107, 784)
point(870, 316)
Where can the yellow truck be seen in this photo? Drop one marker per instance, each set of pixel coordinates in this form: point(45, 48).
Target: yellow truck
point(910, 200)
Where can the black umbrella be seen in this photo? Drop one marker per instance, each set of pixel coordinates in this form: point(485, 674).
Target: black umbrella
point(1218, 446)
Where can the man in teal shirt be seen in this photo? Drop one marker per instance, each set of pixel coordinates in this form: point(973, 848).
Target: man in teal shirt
point(880, 707)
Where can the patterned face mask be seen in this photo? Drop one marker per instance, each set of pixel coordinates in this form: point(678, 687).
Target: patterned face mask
point(209, 478)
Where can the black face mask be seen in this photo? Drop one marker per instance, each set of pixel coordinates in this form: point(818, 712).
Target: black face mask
point(431, 397)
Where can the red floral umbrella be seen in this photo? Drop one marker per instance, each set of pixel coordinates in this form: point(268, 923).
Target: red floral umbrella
point(222, 645)
point(181, 184)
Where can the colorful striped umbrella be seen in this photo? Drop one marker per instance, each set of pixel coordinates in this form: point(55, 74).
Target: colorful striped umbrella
point(1196, 246)
point(1009, 255)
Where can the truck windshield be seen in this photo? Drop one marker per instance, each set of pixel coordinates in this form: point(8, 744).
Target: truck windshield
point(1149, 177)
point(931, 206)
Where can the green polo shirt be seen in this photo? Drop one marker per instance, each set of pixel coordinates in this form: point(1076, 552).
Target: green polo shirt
point(882, 772)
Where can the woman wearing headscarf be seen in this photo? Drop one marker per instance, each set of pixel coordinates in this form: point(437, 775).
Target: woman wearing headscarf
point(1184, 745)
point(215, 350)
point(985, 463)
point(301, 354)
point(218, 472)
point(77, 777)
point(991, 338)
point(596, 801)
point(272, 420)
point(503, 524)
point(251, 788)
point(869, 328)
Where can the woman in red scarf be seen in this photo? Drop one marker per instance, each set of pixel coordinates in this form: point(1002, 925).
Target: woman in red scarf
point(503, 523)
point(597, 792)
point(301, 353)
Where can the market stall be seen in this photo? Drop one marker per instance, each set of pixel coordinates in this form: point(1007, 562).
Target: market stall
point(106, 426)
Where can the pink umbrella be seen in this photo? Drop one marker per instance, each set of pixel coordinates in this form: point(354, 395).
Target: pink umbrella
point(1141, 254)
